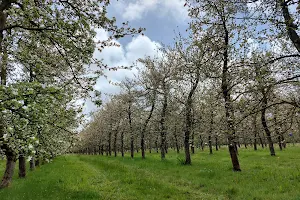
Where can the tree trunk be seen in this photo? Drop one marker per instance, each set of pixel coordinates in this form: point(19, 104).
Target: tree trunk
point(261, 142)
point(283, 141)
point(254, 132)
point(9, 170)
point(279, 142)
point(156, 144)
point(163, 130)
point(228, 104)
point(188, 123)
point(192, 144)
point(216, 139)
point(22, 166)
point(32, 164)
point(143, 145)
point(176, 143)
point(37, 162)
point(102, 149)
point(122, 144)
point(291, 27)
point(264, 123)
point(146, 124)
point(109, 143)
point(245, 143)
point(201, 142)
point(115, 143)
point(210, 145)
point(277, 130)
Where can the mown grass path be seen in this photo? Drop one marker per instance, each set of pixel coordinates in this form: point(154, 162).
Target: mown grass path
point(209, 177)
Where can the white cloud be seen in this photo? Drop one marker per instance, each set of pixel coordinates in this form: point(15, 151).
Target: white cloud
point(139, 47)
point(137, 9)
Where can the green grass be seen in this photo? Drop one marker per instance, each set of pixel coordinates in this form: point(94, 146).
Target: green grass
point(209, 177)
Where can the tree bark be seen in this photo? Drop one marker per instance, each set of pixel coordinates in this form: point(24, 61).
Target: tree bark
point(176, 143)
point(201, 142)
point(122, 144)
point(210, 145)
point(146, 124)
point(32, 164)
point(189, 118)
point(277, 131)
point(192, 144)
point(291, 27)
point(115, 143)
point(210, 132)
point(9, 170)
point(216, 139)
point(163, 131)
point(37, 162)
point(228, 103)
point(131, 130)
point(22, 166)
point(254, 125)
point(264, 123)
point(109, 143)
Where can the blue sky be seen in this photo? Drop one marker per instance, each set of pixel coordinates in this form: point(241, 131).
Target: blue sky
point(160, 18)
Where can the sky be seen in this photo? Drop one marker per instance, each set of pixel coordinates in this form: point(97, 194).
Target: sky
point(162, 20)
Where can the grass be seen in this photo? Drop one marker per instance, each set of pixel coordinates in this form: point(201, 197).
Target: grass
point(209, 177)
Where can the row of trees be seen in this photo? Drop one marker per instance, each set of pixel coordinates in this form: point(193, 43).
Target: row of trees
point(234, 80)
point(45, 50)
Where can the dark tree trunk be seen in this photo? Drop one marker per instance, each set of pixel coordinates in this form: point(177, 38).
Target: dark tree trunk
point(255, 132)
point(189, 119)
point(210, 145)
point(166, 146)
point(9, 170)
point(32, 164)
point(150, 145)
point(109, 143)
point(122, 144)
point(102, 149)
point(279, 142)
point(115, 143)
point(37, 161)
point(228, 103)
point(283, 141)
point(291, 27)
point(201, 142)
point(107, 150)
point(261, 142)
point(264, 123)
point(163, 130)
point(192, 144)
point(245, 143)
point(156, 144)
point(210, 132)
point(22, 166)
point(176, 143)
point(131, 131)
point(217, 144)
point(277, 130)
point(143, 145)
point(146, 124)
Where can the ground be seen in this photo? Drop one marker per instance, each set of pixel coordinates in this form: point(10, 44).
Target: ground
point(209, 177)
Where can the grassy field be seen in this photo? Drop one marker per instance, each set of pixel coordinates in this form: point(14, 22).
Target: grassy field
point(209, 177)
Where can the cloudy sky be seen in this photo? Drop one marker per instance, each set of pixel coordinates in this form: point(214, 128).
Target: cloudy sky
point(161, 18)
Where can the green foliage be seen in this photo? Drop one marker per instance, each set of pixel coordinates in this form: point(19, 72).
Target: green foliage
point(210, 177)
